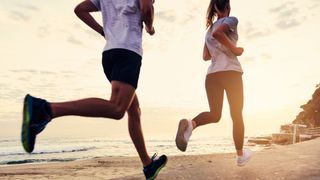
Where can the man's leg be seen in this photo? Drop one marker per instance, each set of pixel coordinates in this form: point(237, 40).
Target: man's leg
point(37, 112)
point(135, 130)
point(121, 97)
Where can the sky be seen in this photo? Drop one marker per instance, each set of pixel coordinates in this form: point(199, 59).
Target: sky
point(48, 52)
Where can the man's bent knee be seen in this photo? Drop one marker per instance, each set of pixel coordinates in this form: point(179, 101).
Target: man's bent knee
point(118, 114)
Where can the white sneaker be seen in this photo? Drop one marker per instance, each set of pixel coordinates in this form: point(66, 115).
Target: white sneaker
point(183, 134)
point(242, 160)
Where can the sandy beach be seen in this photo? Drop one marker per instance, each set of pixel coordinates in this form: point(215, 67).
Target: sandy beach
point(298, 161)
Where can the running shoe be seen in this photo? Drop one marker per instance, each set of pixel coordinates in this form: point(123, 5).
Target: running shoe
point(242, 160)
point(181, 140)
point(36, 115)
point(152, 170)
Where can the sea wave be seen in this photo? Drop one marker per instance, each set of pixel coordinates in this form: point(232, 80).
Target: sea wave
point(8, 140)
point(27, 161)
point(49, 152)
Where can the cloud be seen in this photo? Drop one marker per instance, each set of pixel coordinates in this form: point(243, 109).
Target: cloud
point(43, 31)
point(92, 33)
point(167, 16)
point(316, 1)
point(19, 16)
point(84, 28)
point(28, 7)
point(286, 24)
point(287, 15)
point(188, 18)
point(73, 40)
point(251, 32)
point(279, 8)
point(189, 15)
point(313, 5)
point(21, 12)
point(266, 56)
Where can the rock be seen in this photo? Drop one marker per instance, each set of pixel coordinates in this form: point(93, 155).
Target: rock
point(260, 141)
point(310, 115)
point(305, 137)
point(282, 138)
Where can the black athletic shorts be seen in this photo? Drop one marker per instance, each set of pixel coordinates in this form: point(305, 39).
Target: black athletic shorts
point(122, 65)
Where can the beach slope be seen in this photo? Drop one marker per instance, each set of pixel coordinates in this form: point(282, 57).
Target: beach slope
point(298, 161)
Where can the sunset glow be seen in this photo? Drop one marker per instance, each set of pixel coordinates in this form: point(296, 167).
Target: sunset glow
point(47, 51)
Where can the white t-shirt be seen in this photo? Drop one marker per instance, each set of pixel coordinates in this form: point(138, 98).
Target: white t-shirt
point(122, 24)
point(222, 59)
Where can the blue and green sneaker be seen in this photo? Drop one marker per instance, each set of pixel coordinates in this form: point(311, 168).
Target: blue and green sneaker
point(152, 170)
point(36, 115)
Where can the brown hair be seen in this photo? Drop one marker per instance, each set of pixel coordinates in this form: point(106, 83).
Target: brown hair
point(212, 12)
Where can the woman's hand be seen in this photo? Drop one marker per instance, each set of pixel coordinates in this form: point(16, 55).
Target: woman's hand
point(237, 51)
point(220, 35)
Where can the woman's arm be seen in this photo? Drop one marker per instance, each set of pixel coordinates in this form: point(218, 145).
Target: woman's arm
point(206, 54)
point(220, 35)
point(83, 10)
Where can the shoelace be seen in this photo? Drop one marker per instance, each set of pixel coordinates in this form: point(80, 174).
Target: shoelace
point(154, 157)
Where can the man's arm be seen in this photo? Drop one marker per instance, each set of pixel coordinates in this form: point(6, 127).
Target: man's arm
point(147, 15)
point(220, 35)
point(83, 10)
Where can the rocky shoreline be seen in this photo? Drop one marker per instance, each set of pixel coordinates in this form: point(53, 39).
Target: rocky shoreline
point(305, 126)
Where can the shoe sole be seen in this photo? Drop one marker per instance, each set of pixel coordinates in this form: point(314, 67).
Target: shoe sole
point(26, 121)
point(180, 141)
point(158, 170)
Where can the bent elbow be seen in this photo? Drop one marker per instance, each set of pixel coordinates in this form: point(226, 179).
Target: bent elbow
point(77, 10)
point(206, 58)
point(81, 8)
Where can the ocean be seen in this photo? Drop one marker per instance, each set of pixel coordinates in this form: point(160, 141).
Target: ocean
point(71, 149)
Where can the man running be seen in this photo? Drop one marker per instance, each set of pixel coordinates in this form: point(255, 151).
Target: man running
point(121, 59)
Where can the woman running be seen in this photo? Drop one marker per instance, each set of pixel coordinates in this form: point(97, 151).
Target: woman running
point(224, 74)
